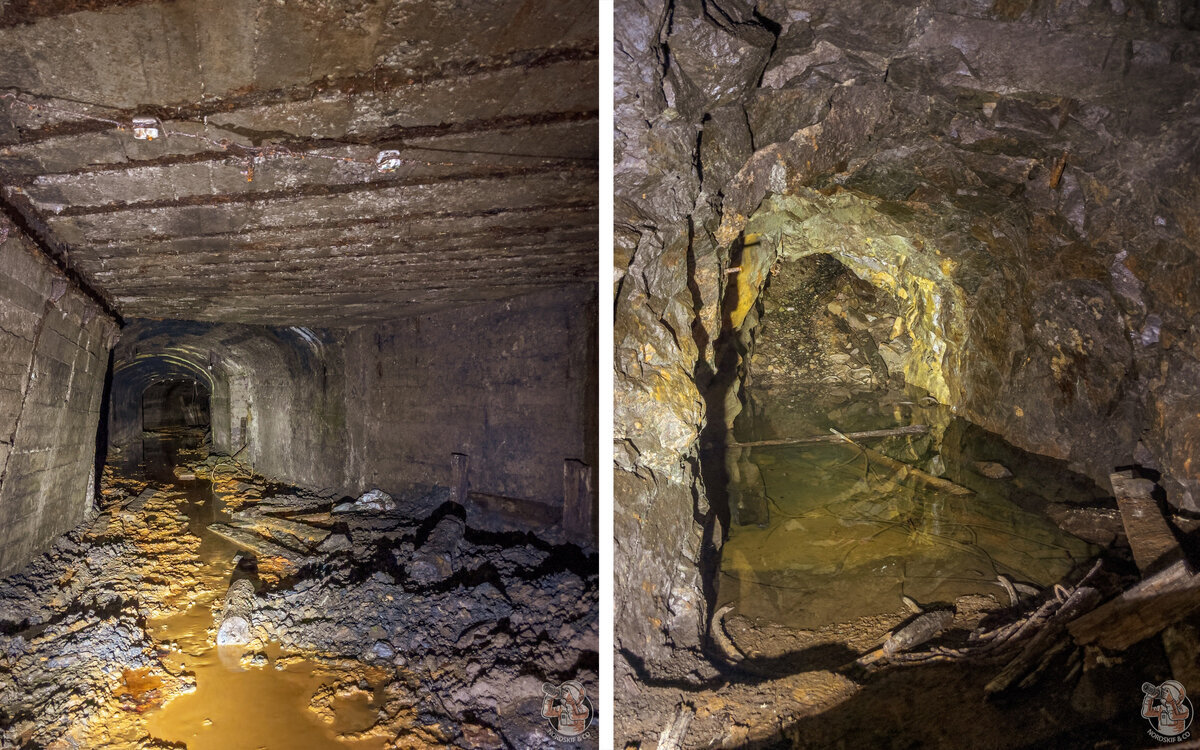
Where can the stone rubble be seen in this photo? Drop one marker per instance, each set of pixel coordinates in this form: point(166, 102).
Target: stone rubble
point(459, 657)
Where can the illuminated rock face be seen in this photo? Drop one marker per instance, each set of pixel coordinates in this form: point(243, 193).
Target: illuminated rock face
point(1018, 190)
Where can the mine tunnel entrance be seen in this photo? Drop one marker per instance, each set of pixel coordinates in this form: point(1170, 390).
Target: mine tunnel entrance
point(175, 418)
point(853, 493)
point(175, 405)
point(303, 553)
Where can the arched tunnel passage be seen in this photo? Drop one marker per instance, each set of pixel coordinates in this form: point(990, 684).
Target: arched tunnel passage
point(175, 404)
point(248, 464)
point(827, 531)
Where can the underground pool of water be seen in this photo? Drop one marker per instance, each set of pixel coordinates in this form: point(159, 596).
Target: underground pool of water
point(830, 532)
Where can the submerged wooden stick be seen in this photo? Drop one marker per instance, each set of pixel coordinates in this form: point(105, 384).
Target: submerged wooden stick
point(904, 470)
point(916, 429)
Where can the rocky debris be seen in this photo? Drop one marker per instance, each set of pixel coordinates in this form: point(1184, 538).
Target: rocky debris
point(507, 616)
point(435, 560)
point(335, 543)
point(373, 501)
point(255, 660)
point(76, 661)
point(993, 470)
point(236, 614)
point(454, 662)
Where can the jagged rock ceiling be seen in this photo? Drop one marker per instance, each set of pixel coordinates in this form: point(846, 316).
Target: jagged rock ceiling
point(263, 202)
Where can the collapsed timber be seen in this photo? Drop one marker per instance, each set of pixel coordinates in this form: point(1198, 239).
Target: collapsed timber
point(1064, 622)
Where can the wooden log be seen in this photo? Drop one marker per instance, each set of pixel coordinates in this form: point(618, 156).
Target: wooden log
point(916, 429)
point(1031, 656)
point(904, 471)
point(237, 614)
point(437, 556)
point(1142, 611)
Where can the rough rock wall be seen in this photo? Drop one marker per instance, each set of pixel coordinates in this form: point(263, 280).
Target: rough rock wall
point(511, 384)
point(1034, 160)
point(54, 345)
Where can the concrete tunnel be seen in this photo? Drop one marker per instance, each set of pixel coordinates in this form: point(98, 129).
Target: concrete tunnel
point(298, 372)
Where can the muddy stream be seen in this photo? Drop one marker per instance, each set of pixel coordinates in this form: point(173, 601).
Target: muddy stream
point(243, 697)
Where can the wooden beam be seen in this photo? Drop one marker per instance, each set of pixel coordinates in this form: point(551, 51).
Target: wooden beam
point(916, 429)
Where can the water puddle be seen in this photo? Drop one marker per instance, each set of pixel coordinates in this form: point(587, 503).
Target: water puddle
point(827, 533)
point(239, 701)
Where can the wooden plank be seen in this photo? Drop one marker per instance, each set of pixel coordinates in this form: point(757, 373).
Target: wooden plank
point(1155, 548)
point(1154, 545)
point(578, 501)
point(459, 467)
point(1142, 611)
point(259, 546)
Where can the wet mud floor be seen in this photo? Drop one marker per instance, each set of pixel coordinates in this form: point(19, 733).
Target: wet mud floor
point(264, 703)
point(824, 542)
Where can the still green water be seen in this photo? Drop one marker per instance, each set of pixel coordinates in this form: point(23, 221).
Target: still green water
point(822, 534)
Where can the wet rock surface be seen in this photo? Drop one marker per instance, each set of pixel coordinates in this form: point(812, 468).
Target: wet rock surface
point(102, 634)
point(1012, 174)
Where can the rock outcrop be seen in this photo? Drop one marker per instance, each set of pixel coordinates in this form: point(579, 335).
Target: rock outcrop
point(1016, 175)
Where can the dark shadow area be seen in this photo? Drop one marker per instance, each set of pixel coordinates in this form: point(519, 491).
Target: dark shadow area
point(713, 513)
point(102, 426)
point(175, 404)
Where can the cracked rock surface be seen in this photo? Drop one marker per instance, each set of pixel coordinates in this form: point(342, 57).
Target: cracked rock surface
point(109, 639)
point(1014, 174)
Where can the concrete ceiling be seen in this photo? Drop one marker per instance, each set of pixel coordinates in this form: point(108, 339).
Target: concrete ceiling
point(263, 204)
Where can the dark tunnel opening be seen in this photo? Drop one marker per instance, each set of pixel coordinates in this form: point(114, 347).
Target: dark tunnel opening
point(175, 404)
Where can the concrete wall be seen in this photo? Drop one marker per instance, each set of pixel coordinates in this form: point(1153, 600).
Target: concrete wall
point(175, 404)
point(54, 345)
point(294, 404)
point(512, 384)
point(276, 393)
